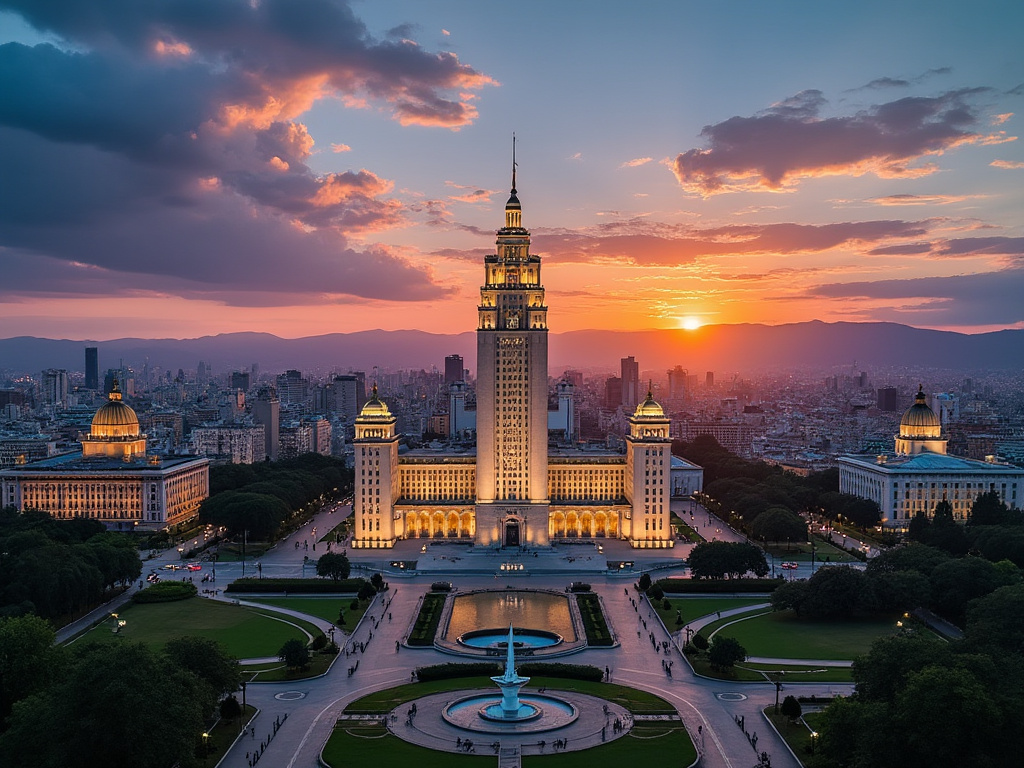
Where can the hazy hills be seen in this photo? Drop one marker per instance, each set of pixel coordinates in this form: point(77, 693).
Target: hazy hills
point(721, 348)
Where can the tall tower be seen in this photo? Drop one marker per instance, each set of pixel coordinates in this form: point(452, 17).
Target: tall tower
point(512, 390)
point(649, 476)
point(377, 478)
point(92, 368)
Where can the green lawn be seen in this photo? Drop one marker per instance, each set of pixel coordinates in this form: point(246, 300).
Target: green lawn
point(636, 701)
point(747, 672)
point(325, 608)
point(646, 743)
point(277, 672)
point(371, 744)
point(650, 743)
point(244, 632)
point(697, 607)
point(782, 635)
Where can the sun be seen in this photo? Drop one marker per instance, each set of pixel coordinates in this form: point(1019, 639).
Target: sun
point(690, 323)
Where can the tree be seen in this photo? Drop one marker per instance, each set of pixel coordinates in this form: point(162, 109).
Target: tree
point(945, 533)
point(717, 559)
point(230, 708)
point(645, 582)
point(28, 659)
point(956, 582)
point(725, 651)
point(700, 642)
point(779, 524)
point(366, 591)
point(294, 654)
point(333, 565)
point(989, 509)
point(94, 714)
point(919, 526)
point(209, 662)
point(789, 595)
point(997, 620)
point(838, 591)
point(791, 708)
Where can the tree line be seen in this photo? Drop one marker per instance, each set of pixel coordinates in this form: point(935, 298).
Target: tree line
point(110, 704)
point(58, 568)
point(259, 498)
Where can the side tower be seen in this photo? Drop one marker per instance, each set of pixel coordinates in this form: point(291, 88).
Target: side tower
point(512, 391)
point(376, 477)
point(649, 476)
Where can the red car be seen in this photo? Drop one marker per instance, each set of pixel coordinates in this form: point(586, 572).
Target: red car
point(194, 567)
point(789, 566)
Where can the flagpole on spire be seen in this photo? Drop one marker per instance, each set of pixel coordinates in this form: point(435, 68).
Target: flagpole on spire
point(513, 162)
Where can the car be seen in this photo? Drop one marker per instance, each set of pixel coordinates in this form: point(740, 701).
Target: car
point(789, 566)
point(194, 567)
point(172, 567)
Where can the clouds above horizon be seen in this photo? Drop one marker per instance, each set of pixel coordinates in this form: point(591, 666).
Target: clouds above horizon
point(160, 147)
point(791, 141)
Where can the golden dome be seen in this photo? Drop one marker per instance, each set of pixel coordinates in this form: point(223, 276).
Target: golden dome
point(919, 420)
point(115, 418)
point(375, 407)
point(649, 408)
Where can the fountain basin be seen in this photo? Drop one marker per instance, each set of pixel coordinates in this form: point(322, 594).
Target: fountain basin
point(497, 639)
point(482, 713)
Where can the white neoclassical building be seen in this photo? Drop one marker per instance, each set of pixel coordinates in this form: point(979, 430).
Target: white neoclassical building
point(111, 479)
point(512, 490)
point(919, 473)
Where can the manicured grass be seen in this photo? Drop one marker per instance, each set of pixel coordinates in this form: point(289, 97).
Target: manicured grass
point(798, 735)
point(425, 628)
point(636, 701)
point(341, 529)
point(325, 608)
point(277, 672)
point(594, 623)
point(698, 607)
point(371, 744)
point(244, 632)
point(801, 553)
point(747, 672)
point(782, 635)
point(223, 734)
point(646, 743)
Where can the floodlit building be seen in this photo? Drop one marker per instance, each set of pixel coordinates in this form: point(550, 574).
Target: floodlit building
point(919, 473)
point(111, 479)
point(512, 490)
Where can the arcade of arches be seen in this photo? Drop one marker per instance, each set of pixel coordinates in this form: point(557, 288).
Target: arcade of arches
point(461, 524)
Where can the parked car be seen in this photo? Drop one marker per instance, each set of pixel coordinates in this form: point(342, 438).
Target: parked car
point(789, 566)
point(194, 567)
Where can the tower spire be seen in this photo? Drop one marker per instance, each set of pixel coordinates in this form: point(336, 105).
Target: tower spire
point(513, 162)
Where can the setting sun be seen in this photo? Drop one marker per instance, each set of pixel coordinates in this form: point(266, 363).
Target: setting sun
point(690, 323)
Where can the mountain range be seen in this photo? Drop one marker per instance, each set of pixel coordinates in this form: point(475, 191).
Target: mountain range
point(735, 348)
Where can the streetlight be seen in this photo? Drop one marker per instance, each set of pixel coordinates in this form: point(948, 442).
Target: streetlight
point(206, 746)
point(814, 740)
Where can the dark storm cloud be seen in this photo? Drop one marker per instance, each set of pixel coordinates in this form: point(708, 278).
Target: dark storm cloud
point(159, 145)
point(792, 141)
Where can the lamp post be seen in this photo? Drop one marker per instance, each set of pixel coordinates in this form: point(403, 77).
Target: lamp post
point(814, 741)
point(206, 746)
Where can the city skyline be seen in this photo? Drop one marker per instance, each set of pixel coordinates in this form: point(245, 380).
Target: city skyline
point(301, 168)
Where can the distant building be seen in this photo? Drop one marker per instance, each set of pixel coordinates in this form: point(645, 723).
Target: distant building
point(453, 369)
point(296, 439)
point(266, 410)
point(55, 388)
point(292, 388)
point(240, 380)
point(919, 473)
point(111, 479)
point(24, 450)
point(736, 436)
point(709, 379)
point(888, 399)
point(613, 392)
point(92, 368)
point(630, 374)
point(237, 443)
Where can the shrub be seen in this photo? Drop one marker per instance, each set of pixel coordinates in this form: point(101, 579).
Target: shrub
point(441, 586)
point(791, 708)
point(451, 670)
point(655, 592)
point(717, 586)
point(700, 642)
point(560, 669)
point(579, 586)
point(318, 642)
point(425, 628)
point(166, 592)
point(230, 708)
point(645, 582)
point(594, 624)
point(296, 586)
point(367, 591)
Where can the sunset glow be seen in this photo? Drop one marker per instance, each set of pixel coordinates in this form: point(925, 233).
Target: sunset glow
point(346, 172)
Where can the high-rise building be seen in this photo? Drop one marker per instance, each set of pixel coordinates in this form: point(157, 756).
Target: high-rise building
point(677, 383)
point(266, 410)
point(55, 388)
point(453, 370)
point(630, 374)
point(292, 388)
point(240, 380)
point(92, 368)
point(612, 392)
point(513, 491)
point(888, 399)
point(709, 380)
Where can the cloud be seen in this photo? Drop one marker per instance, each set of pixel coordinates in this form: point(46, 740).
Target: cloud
point(957, 247)
point(919, 199)
point(636, 163)
point(340, 147)
point(792, 141)
point(1000, 119)
point(1009, 164)
point(984, 299)
point(472, 195)
point(638, 242)
point(121, 144)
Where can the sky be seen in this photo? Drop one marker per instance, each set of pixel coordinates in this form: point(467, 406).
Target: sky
point(181, 168)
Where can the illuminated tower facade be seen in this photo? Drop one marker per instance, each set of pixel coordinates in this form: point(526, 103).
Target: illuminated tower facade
point(512, 390)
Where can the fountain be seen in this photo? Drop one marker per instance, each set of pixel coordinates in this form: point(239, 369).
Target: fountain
point(511, 709)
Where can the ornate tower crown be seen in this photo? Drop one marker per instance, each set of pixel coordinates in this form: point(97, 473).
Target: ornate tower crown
point(513, 209)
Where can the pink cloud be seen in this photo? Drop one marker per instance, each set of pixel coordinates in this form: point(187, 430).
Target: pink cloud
point(791, 142)
point(340, 148)
point(636, 163)
point(1009, 164)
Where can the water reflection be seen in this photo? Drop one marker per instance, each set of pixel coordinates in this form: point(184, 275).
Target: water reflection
point(520, 608)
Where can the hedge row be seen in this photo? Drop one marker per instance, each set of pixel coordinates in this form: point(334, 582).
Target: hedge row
point(166, 592)
point(297, 586)
point(594, 624)
point(452, 670)
point(425, 628)
point(717, 586)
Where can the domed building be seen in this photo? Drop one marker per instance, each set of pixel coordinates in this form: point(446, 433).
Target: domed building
point(919, 473)
point(111, 479)
point(514, 489)
point(115, 430)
